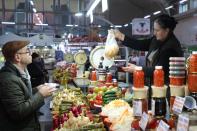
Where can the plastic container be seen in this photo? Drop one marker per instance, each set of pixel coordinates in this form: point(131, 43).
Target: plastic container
point(192, 82)
point(158, 76)
point(177, 59)
point(177, 81)
point(138, 77)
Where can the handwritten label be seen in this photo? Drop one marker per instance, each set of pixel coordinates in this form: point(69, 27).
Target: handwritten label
point(178, 105)
point(144, 120)
point(162, 126)
point(183, 123)
point(137, 108)
point(153, 107)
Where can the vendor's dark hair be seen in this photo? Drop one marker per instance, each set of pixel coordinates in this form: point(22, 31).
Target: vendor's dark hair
point(166, 21)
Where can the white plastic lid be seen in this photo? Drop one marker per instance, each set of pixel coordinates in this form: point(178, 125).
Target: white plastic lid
point(178, 58)
point(158, 67)
point(194, 52)
point(138, 68)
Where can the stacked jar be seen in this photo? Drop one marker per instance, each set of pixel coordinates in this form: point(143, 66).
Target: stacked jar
point(140, 102)
point(158, 104)
point(192, 74)
point(177, 78)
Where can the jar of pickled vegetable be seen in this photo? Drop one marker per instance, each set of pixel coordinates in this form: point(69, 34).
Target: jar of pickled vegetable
point(138, 77)
point(158, 76)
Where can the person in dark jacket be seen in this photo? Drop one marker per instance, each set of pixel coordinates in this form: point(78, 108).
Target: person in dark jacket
point(36, 70)
point(18, 102)
point(160, 47)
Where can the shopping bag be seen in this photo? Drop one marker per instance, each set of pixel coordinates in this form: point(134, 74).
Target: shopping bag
point(111, 46)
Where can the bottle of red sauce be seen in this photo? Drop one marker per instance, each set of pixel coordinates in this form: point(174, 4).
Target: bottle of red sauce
point(158, 76)
point(138, 77)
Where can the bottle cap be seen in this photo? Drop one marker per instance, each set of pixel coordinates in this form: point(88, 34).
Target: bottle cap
point(138, 68)
point(158, 67)
point(194, 52)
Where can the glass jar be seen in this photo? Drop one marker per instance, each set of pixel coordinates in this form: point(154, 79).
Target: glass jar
point(115, 82)
point(172, 122)
point(159, 106)
point(158, 76)
point(138, 77)
point(109, 78)
point(153, 124)
point(135, 123)
point(172, 98)
point(93, 76)
point(192, 63)
point(192, 84)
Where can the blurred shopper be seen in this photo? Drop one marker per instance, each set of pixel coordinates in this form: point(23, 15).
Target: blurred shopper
point(160, 47)
point(37, 70)
point(18, 102)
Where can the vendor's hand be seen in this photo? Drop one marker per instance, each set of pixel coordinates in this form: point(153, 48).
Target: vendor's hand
point(119, 35)
point(130, 68)
point(45, 90)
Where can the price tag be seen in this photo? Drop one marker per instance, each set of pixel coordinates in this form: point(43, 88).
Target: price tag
point(144, 120)
point(162, 126)
point(137, 108)
point(178, 105)
point(183, 123)
point(153, 107)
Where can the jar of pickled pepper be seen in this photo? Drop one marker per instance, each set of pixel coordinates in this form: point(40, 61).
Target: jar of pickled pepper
point(158, 76)
point(138, 77)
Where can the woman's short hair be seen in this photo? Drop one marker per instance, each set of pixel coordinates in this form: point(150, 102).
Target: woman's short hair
point(166, 21)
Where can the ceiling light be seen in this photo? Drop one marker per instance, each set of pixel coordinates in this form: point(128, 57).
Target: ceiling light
point(99, 26)
point(131, 23)
point(78, 14)
point(69, 25)
point(31, 2)
point(91, 17)
point(118, 26)
point(182, 1)
point(34, 10)
point(104, 5)
point(126, 25)
point(146, 16)
point(111, 26)
point(92, 7)
point(169, 7)
point(157, 12)
point(76, 25)
point(42, 24)
point(7, 23)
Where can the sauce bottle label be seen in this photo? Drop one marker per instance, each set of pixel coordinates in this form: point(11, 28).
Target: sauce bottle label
point(163, 126)
point(183, 123)
point(137, 108)
point(178, 105)
point(144, 120)
point(153, 107)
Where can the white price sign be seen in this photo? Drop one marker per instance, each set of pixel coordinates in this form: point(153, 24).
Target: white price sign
point(178, 104)
point(183, 123)
point(140, 26)
point(163, 126)
point(137, 108)
point(153, 107)
point(144, 120)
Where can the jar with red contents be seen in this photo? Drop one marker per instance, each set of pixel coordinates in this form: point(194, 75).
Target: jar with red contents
point(138, 77)
point(93, 76)
point(140, 106)
point(172, 98)
point(109, 78)
point(192, 63)
point(135, 123)
point(192, 84)
point(158, 76)
point(172, 122)
point(153, 124)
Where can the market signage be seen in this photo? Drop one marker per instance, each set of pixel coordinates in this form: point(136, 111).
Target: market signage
point(141, 26)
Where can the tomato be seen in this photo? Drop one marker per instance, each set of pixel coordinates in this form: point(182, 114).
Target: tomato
point(99, 97)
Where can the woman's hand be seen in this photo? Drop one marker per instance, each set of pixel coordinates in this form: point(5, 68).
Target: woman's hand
point(130, 68)
point(119, 35)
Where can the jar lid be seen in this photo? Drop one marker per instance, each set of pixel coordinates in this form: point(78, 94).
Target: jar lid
point(177, 58)
point(158, 67)
point(177, 68)
point(177, 72)
point(194, 52)
point(138, 68)
point(177, 63)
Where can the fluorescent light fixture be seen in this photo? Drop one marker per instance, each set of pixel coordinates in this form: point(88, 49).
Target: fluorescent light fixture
point(131, 23)
point(169, 7)
point(69, 25)
point(99, 26)
point(31, 2)
point(157, 12)
point(111, 26)
point(34, 10)
point(78, 14)
point(118, 26)
point(8, 23)
point(182, 1)
point(146, 16)
point(42, 24)
point(91, 17)
point(92, 7)
point(126, 25)
point(76, 25)
point(104, 5)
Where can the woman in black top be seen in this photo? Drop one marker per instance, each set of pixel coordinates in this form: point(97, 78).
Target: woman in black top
point(160, 47)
